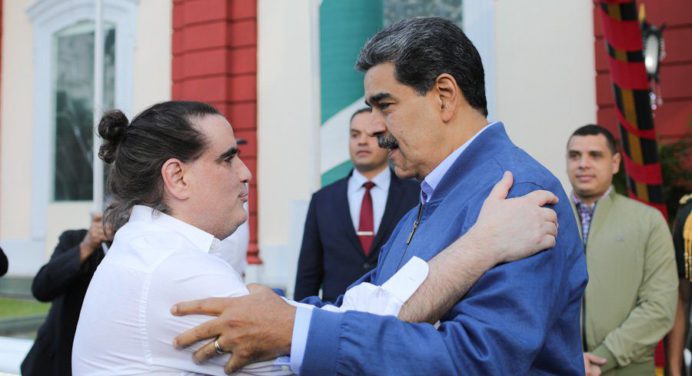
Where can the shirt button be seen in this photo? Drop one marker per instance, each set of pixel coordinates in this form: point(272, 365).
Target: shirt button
point(367, 265)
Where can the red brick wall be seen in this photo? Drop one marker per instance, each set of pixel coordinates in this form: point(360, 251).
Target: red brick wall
point(674, 118)
point(215, 61)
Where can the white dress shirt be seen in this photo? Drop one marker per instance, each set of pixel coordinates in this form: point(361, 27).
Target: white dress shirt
point(379, 193)
point(125, 326)
point(233, 249)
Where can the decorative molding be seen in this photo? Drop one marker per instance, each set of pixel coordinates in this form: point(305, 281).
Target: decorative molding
point(47, 18)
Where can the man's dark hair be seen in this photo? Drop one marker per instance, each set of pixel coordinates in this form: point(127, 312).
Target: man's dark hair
point(423, 48)
point(358, 112)
point(137, 151)
point(594, 130)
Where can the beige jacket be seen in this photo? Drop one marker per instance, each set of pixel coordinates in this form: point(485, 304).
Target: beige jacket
point(630, 300)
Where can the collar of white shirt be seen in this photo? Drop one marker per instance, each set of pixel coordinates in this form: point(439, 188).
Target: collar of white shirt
point(428, 185)
point(381, 181)
point(202, 240)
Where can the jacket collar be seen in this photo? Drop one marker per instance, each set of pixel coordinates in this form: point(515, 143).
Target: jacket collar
point(486, 144)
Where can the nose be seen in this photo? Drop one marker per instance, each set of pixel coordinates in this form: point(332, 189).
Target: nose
point(376, 125)
point(244, 173)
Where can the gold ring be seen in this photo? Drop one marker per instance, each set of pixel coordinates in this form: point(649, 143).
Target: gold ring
point(218, 348)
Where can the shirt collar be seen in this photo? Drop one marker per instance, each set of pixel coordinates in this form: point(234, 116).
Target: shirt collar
point(580, 203)
point(203, 240)
point(381, 180)
point(431, 181)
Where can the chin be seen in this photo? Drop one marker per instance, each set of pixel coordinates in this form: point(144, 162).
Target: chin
point(228, 232)
point(235, 223)
point(402, 173)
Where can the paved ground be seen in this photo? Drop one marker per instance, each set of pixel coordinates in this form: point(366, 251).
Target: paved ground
point(14, 347)
point(12, 352)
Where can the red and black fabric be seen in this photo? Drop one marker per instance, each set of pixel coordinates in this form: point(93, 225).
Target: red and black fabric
point(624, 44)
point(623, 38)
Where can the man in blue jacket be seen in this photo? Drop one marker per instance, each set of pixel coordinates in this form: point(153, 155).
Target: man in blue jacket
point(425, 83)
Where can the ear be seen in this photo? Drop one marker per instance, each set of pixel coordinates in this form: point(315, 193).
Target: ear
point(174, 182)
point(448, 95)
point(616, 163)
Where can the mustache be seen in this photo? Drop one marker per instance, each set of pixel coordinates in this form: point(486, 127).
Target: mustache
point(387, 141)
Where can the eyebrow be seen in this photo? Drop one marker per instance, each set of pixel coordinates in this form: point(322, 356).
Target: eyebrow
point(377, 97)
point(590, 152)
point(228, 154)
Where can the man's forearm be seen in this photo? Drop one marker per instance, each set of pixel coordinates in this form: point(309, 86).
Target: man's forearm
point(451, 274)
point(506, 230)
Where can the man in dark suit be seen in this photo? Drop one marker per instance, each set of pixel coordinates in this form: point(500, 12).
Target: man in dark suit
point(63, 281)
point(349, 220)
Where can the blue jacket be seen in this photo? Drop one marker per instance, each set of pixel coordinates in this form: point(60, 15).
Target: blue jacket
point(519, 318)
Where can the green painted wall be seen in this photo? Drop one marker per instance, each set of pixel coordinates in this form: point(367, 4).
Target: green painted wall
point(336, 173)
point(345, 25)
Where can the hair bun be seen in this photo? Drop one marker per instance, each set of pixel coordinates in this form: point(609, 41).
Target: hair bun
point(112, 130)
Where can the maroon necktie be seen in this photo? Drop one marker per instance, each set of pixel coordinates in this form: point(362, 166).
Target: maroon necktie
point(366, 226)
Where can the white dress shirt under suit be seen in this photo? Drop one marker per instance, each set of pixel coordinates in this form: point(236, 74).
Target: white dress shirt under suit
point(379, 192)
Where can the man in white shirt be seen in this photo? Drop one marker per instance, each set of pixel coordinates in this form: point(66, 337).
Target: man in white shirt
point(349, 220)
point(175, 167)
point(178, 187)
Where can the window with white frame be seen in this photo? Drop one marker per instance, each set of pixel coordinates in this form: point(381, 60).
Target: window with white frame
point(73, 89)
point(63, 38)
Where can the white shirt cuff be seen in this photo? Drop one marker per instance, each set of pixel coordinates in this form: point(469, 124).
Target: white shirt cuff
point(365, 297)
point(408, 279)
point(391, 296)
point(299, 340)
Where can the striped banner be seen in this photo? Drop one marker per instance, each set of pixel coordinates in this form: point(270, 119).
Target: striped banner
point(345, 26)
point(623, 38)
point(631, 89)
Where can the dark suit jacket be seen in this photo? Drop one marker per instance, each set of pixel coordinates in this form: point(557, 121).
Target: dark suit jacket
point(3, 263)
point(331, 256)
point(62, 281)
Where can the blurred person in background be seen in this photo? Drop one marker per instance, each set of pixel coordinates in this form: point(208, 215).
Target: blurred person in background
point(349, 220)
point(4, 264)
point(63, 281)
point(629, 302)
point(682, 239)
